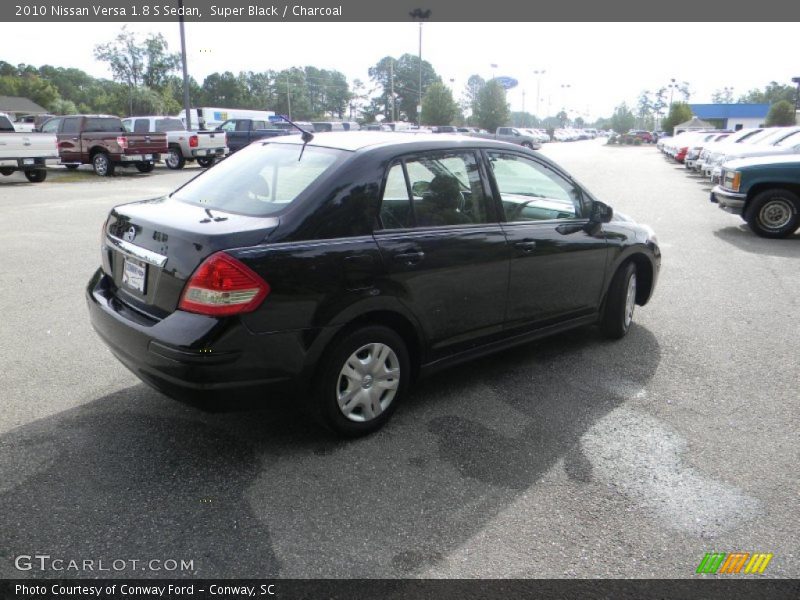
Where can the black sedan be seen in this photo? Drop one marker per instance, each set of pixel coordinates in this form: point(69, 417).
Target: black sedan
point(342, 268)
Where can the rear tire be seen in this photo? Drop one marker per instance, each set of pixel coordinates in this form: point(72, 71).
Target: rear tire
point(774, 213)
point(36, 176)
point(207, 162)
point(175, 159)
point(145, 167)
point(620, 303)
point(362, 379)
point(102, 165)
point(5, 172)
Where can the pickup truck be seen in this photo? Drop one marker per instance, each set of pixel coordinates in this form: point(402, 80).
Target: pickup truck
point(510, 134)
point(764, 191)
point(26, 152)
point(241, 132)
point(203, 146)
point(101, 141)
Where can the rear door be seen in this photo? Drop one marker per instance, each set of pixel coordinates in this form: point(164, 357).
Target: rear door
point(558, 265)
point(443, 248)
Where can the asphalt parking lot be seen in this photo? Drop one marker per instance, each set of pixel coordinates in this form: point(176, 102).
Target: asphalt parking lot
point(570, 457)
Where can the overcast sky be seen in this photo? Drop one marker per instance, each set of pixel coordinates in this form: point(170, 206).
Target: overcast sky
point(603, 63)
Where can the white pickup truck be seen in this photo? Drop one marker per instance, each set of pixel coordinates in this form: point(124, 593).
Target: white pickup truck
point(203, 146)
point(26, 152)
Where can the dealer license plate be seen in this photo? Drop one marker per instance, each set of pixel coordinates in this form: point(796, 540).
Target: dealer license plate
point(134, 275)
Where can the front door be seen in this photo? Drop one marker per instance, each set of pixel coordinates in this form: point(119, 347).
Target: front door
point(558, 264)
point(444, 251)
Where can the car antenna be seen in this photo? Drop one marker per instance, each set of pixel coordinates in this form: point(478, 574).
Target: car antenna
point(307, 135)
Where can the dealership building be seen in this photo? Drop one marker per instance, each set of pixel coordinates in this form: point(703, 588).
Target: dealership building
point(732, 116)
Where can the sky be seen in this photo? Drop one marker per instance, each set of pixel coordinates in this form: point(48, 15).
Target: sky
point(602, 63)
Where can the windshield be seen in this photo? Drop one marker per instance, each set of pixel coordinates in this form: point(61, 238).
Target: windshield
point(790, 140)
point(259, 180)
point(761, 136)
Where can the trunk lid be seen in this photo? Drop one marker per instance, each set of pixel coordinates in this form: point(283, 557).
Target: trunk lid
point(150, 248)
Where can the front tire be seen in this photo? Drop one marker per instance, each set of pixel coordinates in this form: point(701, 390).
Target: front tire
point(774, 213)
point(6, 171)
point(363, 378)
point(146, 167)
point(102, 165)
point(620, 303)
point(36, 176)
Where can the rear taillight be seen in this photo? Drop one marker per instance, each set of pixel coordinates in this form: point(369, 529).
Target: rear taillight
point(223, 286)
point(122, 142)
point(193, 141)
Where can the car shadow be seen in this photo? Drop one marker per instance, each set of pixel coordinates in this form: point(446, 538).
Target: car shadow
point(259, 491)
point(744, 239)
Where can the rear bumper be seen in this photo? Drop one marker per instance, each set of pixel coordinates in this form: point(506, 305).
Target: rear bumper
point(186, 354)
point(207, 152)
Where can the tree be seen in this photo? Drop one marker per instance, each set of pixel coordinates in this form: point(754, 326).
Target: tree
point(781, 114)
point(404, 72)
point(723, 96)
point(469, 96)
point(136, 62)
point(438, 106)
point(580, 123)
point(679, 113)
point(771, 94)
point(644, 106)
point(623, 119)
point(491, 110)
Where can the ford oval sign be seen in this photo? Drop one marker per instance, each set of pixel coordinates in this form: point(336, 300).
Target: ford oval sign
point(507, 82)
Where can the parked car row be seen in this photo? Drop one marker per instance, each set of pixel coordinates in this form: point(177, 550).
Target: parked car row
point(755, 172)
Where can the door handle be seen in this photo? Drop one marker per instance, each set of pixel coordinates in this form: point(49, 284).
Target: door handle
point(526, 246)
point(410, 257)
point(75, 139)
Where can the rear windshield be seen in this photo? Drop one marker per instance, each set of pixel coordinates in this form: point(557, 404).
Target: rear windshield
point(261, 179)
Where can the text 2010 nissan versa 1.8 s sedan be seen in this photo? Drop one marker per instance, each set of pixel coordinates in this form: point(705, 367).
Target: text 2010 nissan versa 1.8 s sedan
point(349, 264)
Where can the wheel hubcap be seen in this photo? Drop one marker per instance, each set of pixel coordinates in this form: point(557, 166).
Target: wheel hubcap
point(775, 214)
point(368, 382)
point(630, 300)
point(172, 159)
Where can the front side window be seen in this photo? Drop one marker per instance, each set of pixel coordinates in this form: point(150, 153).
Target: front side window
point(228, 126)
point(51, 126)
point(103, 125)
point(141, 126)
point(532, 192)
point(260, 180)
point(437, 189)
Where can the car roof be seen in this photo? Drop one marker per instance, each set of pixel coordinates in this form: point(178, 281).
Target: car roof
point(360, 140)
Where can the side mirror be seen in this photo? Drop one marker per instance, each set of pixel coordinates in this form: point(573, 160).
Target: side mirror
point(600, 213)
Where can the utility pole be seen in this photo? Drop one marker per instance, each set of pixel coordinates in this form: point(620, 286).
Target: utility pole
point(391, 80)
point(187, 106)
point(288, 97)
point(419, 106)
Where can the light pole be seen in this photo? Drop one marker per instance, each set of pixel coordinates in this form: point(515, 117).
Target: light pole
point(538, 74)
point(797, 95)
point(672, 85)
point(564, 88)
point(420, 14)
point(494, 70)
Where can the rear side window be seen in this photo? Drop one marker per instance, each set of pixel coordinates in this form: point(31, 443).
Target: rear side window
point(163, 125)
point(5, 124)
point(72, 125)
point(260, 180)
point(103, 125)
point(433, 190)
